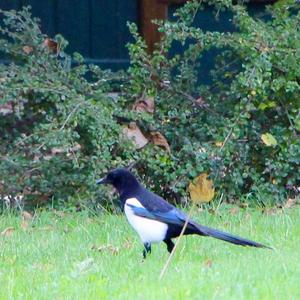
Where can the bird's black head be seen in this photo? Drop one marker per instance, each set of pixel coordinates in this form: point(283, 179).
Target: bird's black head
point(122, 179)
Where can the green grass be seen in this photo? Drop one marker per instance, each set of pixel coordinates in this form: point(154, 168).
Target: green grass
point(54, 259)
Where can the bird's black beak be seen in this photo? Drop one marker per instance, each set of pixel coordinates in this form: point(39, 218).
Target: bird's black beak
point(102, 181)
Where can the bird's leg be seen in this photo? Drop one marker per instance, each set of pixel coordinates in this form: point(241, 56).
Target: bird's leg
point(147, 249)
point(170, 245)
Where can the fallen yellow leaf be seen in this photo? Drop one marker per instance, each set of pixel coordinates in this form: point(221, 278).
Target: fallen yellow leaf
point(219, 144)
point(268, 139)
point(201, 189)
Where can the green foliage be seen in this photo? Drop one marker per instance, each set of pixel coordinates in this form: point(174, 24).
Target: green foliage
point(218, 128)
point(62, 128)
point(59, 131)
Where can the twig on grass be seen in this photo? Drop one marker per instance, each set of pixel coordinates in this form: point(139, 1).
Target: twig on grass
point(165, 268)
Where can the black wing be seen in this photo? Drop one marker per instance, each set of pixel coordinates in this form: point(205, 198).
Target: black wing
point(153, 202)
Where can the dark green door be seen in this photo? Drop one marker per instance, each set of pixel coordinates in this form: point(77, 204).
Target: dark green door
point(94, 28)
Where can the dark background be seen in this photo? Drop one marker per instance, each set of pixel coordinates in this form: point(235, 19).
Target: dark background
point(97, 28)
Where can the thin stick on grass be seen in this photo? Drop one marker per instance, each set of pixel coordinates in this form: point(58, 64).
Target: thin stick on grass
point(165, 268)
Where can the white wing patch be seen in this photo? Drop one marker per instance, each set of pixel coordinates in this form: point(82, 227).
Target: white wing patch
point(150, 231)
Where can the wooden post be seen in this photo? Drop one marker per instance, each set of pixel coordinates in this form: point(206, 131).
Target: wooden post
point(151, 10)
point(158, 10)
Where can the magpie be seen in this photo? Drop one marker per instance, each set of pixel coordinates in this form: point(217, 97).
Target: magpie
point(154, 219)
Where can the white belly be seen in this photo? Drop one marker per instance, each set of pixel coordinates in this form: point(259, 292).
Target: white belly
point(150, 231)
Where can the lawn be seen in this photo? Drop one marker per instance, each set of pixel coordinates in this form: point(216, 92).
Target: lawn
point(83, 256)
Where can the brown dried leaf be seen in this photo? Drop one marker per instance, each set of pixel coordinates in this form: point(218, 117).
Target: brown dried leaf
point(208, 263)
point(113, 250)
point(26, 218)
point(234, 210)
point(290, 202)
point(201, 189)
point(27, 49)
point(27, 215)
point(144, 105)
point(51, 45)
point(7, 231)
point(159, 140)
point(200, 102)
point(133, 132)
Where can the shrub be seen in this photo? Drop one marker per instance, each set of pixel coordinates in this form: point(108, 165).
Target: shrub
point(57, 130)
point(61, 128)
point(243, 129)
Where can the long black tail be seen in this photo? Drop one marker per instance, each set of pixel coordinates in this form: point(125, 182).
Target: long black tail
point(227, 237)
